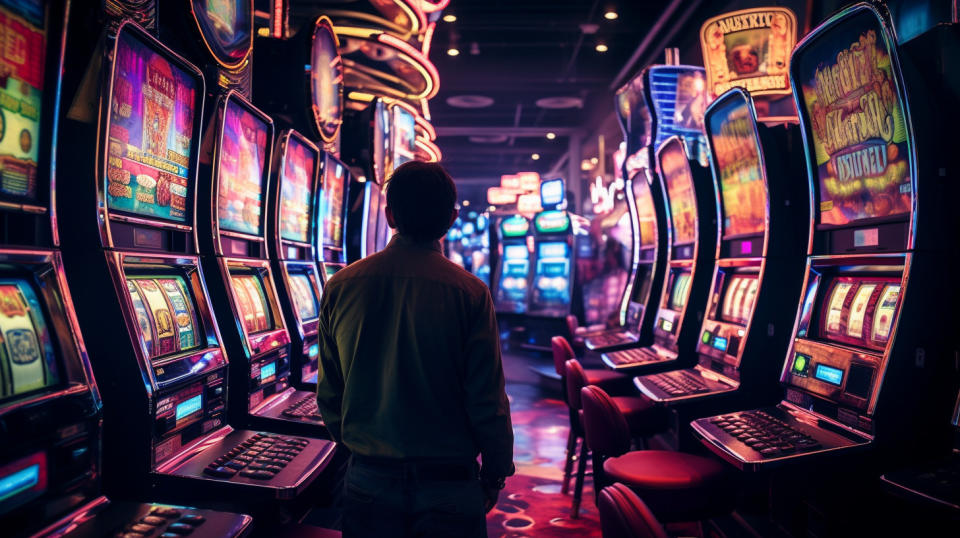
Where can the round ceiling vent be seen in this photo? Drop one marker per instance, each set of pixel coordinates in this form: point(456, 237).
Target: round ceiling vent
point(488, 139)
point(469, 101)
point(560, 102)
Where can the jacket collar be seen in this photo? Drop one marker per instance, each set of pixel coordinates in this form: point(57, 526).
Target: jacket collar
point(400, 241)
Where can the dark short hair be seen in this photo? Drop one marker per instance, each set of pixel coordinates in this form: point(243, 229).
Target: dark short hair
point(422, 196)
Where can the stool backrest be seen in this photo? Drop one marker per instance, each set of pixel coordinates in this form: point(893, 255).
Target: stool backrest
point(562, 352)
point(605, 428)
point(623, 514)
point(576, 380)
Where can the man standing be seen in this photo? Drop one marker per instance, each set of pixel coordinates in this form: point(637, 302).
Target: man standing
point(411, 380)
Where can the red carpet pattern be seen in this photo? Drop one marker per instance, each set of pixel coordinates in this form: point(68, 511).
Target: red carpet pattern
point(531, 504)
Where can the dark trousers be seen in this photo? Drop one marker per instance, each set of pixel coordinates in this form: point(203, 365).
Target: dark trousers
point(412, 500)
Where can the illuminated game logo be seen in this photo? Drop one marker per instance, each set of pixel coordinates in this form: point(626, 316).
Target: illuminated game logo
point(750, 49)
point(846, 82)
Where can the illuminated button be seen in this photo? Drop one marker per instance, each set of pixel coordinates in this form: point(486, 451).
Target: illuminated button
point(165, 511)
point(180, 528)
point(193, 519)
point(153, 520)
point(142, 528)
point(706, 337)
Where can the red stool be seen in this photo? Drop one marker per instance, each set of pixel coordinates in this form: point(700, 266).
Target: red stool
point(624, 515)
point(644, 420)
point(677, 486)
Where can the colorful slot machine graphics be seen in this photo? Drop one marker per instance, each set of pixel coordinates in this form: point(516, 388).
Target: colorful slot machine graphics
point(683, 205)
point(252, 303)
point(226, 26)
point(737, 155)
point(21, 93)
point(646, 214)
point(304, 298)
point(150, 133)
point(846, 84)
point(243, 148)
point(26, 354)
point(326, 80)
point(333, 185)
point(861, 311)
point(296, 191)
point(165, 314)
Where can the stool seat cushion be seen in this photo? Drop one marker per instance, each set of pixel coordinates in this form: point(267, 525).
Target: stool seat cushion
point(602, 377)
point(663, 469)
point(643, 416)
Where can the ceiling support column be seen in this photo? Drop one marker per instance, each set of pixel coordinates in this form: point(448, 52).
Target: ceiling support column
point(574, 184)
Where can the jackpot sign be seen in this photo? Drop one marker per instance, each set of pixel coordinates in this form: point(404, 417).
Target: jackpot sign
point(855, 115)
point(750, 49)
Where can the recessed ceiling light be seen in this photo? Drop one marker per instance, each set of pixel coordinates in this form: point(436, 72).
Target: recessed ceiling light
point(610, 15)
point(601, 47)
point(594, 160)
point(453, 52)
point(470, 101)
point(551, 136)
point(559, 102)
point(450, 17)
point(466, 203)
point(535, 156)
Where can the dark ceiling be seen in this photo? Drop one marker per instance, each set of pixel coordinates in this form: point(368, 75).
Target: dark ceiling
point(517, 52)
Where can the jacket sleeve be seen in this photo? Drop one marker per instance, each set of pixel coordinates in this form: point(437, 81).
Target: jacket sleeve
point(330, 374)
point(486, 401)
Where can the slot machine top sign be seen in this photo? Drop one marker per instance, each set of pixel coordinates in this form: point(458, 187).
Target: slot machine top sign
point(326, 80)
point(634, 114)
point(749, 49)
point(226, 27)
point(845, 84)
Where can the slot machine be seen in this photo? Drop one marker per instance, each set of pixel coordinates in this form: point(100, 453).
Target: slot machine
point(333, 215)
point(232, 215)
point(50, 406)
point(692, 206)
point(864, 373)
point(292, 217)
point(142, 298)
point(552, 264)
point(513, 266)
point(367, 138)
point(648, 214)
point(764, 215)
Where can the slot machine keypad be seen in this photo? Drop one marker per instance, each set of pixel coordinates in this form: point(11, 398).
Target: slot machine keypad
point(612, 339)
point(764, 433)
point(259, 457)
point(304, 408)
point(162, 521)
point(678, 383)
point(637, 355)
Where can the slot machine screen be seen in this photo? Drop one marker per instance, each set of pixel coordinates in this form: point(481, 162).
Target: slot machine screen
point(736, 157)
point(165, 314)
point(634, 114)
point(681, 287)
point(296, 190)
point(151, 132)
point(252, 303)
point(226, 27)
point(739, 299)
point(381, 141)
point(326, 80)
point(646, 212)
point(679, 99)
point(860, 311)
point(27, 359)
point(854, 116)
point(404, 136)
point(304, 299)
point(23, 27)
point(683, 205)
point(331, 201)
point(242, 163)
point(515, 252)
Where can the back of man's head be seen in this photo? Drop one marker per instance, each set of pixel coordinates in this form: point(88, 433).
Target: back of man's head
point(422, 197)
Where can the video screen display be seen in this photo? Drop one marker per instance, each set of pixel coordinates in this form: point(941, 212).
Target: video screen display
point(331, 202)
point(634, 114)
point(739, 299)
point(27, 360)
point(252, 302)
point(404, 136)
point(151, 122)
point(296, 190)
point(679, 99)
point(516, 252)
point(22, 61)
point(326, 80)
point(242, 161)
point(226, 26)
point(681, 289)
point(381, 141)
point(854, 116)
point(165, 314)
point(736, 155)
point(683, 205)
point(304, 298)
point(553, 250)
point(860, 311)
point(551, 193)
point(646, 212)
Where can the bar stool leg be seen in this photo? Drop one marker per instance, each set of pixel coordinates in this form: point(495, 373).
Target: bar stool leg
point(578, 486)
point(568, 467)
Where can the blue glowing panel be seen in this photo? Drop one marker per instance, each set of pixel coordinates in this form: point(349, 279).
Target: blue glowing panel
point(829, 374)
point(268, 371)
point(189, 407)
point(679, 99)
point(720, 343)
